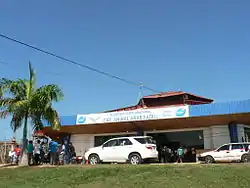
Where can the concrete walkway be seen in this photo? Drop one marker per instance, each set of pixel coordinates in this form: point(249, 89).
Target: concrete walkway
point(3, 165)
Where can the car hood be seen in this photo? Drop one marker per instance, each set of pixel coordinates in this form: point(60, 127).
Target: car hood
point(95, 148)
point(206, 153)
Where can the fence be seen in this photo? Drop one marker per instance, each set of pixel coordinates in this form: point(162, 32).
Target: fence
point(5, 147)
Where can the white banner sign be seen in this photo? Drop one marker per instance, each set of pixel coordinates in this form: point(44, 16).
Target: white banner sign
point(134, 115)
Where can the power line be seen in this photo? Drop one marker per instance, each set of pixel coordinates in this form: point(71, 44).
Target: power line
point(78, 64)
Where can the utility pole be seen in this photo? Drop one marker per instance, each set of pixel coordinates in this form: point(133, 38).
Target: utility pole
point(140, 91)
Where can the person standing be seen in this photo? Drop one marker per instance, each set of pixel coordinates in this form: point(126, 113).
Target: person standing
point(37, 152)
point(159, 149)
point(53, 147)
point(166, 154)
point(65, 152)
point(17, 151)
point(72, 152)
point(179, 154)
point(30, 149)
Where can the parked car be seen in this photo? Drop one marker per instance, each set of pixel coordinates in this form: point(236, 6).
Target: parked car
point(231, 152)
point(134, 150)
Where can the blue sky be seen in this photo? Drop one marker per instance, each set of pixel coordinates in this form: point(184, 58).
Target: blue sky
point(196, 46)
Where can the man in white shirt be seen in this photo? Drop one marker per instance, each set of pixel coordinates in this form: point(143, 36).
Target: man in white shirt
point(37, 152)
point(12, 156)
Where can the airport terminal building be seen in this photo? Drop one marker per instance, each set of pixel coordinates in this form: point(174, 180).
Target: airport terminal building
point(172, 118)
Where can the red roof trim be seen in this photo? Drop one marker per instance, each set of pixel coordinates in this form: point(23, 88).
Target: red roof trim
point(164, 94)
point(169, 94)
point(160, 95)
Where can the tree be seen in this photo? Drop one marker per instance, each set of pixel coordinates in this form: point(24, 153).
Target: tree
point(22, 100)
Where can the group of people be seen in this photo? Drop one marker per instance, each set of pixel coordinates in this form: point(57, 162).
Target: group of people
point(14, 154)
point(51, 152)
point(44, 151)
point(178, 155)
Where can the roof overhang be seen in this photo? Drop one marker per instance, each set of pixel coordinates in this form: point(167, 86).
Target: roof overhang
point(162, 124)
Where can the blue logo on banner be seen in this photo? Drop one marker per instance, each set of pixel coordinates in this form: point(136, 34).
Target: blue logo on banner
point(81, 119)
point(180, 112)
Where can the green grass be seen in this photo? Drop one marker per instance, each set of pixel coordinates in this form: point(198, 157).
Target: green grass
point(112, 176)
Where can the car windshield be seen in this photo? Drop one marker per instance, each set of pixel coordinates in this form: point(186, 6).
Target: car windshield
point(146, 140)
point(223, 148)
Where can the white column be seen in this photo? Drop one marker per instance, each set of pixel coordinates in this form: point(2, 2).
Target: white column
point(207, 137)
point(82, 142)
point(220, 135)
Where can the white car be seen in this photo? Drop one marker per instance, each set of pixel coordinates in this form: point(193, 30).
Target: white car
point(134, 150)
point(227, 153)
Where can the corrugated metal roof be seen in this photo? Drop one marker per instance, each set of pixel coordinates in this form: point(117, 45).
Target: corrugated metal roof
point(232, 107)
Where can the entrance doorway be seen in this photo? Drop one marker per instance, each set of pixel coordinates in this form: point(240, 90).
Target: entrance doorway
point(189, 140)
point(192, 139)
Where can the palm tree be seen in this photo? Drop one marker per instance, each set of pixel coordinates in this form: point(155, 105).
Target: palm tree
point(25, 103)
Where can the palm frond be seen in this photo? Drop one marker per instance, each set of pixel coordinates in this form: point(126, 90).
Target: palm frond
point(37, 123)
point(4, 83)
point(6, 102)
point(49, 93)
point(16, 88)
point(4, 107)
point(24, 101)
point(9, 106)
point(4, 114)
point(17, 119)
point(52, 117)
point(32, 81)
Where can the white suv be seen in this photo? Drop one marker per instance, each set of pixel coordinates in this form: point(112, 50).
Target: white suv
point(124, 149)
point(227, 153)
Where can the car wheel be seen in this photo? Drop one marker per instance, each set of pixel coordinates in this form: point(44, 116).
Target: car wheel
point(209, 159)
point(135, 159)
point(245, 158)
point(94, 159)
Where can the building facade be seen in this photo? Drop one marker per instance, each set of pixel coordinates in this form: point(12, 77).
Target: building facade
point(173, 119)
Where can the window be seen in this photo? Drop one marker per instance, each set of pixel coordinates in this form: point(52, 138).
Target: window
point(237, 146)
point(99, 140)
point(124, 142)
point(145, 140)
point(111, 143)
point(223, 148)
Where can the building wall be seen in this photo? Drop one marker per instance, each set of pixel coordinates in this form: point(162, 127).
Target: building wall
point(214, 137)
point(207, 136)
point(220, 135)
point(82, 142)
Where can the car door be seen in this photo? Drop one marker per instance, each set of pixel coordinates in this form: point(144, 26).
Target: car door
point(237, 150)
point(222, 153)
point(109, 151)
point(124, 149)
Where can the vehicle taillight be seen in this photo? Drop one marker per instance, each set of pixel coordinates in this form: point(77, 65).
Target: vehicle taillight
point(149, 147)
